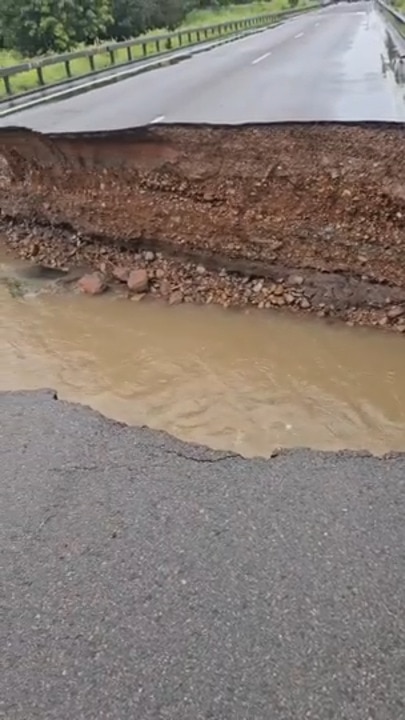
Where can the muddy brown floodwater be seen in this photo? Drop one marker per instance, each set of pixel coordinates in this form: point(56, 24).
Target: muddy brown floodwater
point(246, 382)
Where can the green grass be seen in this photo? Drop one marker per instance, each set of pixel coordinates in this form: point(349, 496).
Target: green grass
point(196, 19)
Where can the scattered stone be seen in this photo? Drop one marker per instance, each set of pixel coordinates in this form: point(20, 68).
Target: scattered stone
point(395, 312)
point(289, 299)
point(164, 288)
point(200, 269)
point(138, 297)
point(92, 284)
point(258, 286)
point(159, 274)
point(305, 304)
point(278, 290)
point(295, 280)
point(149, 256)
point(121, 273)
point(138, 281)
point(176, 298)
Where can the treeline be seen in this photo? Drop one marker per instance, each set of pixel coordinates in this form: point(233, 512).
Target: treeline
point(33, 27)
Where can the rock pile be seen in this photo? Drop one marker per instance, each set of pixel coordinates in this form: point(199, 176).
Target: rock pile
point(146, 273)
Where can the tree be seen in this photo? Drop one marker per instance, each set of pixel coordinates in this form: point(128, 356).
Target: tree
point(130, 18)
point(40, 26)
point(91, 18)
point(170, 13)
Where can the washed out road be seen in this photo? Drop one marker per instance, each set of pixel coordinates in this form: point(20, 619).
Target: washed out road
point(324, 65)
point(146, 578)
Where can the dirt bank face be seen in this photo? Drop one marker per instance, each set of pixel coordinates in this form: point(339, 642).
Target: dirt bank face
point(253, 200)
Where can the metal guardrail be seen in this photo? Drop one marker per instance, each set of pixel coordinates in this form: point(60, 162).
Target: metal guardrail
point(394, 17)
point(137, 49)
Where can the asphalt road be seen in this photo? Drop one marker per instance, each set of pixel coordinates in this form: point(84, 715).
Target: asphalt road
point(326, 65)
point(145, 578)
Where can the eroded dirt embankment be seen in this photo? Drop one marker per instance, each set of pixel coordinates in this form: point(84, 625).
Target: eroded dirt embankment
point(262, 204)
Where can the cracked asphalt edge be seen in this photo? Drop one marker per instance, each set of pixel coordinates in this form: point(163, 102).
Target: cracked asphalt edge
point(160, 441)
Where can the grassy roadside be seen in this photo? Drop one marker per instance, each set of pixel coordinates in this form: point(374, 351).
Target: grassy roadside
point(197, 18)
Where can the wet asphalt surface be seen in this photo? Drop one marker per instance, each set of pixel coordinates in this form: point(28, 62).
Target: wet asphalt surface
point(146, 578)
point(324, 65)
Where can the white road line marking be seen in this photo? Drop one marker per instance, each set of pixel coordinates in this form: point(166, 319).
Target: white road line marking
point(262, 57)
point(298, 36)
point(157, 119)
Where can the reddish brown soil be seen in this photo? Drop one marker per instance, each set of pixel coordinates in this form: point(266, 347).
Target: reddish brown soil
point(320, 198)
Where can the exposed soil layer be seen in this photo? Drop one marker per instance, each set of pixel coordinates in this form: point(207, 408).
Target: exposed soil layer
point(107, 266)
point(325, 202)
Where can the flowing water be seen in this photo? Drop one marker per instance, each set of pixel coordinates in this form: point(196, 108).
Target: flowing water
point(246, 382)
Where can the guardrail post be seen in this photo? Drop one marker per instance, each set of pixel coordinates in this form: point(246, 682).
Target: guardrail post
point(157, 43)
point(40, 75)
point(91, 62)
point(7, 85)
point(112, 57)
point(67, 69)
point(144, 49)
point(180, 39)
point(129, 53)
point(189, 38)
point(198, 36)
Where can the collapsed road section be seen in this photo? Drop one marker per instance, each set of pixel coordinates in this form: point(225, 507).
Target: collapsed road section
point(305, 215)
